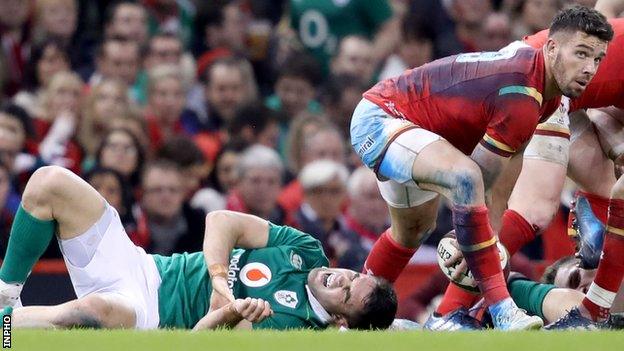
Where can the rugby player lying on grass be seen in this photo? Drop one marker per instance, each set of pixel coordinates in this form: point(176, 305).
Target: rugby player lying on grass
point(276, 280)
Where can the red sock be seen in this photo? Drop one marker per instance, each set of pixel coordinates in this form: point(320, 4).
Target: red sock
point(387, 258)
point(454, 298)
point(478, 244)
point(515, 232)
point(601, 293)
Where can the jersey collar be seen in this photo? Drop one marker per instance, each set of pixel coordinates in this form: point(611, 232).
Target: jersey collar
point(319, 310)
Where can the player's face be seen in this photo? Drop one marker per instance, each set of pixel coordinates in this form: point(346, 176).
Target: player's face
point(342, 292)
point(574, 60)
point(571, 276)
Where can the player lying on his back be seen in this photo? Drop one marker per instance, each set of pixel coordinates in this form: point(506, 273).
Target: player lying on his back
point(277, 280)
point(449, 127)
point(573, 147)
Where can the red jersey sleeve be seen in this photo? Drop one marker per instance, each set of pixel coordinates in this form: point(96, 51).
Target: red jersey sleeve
point(514, 115)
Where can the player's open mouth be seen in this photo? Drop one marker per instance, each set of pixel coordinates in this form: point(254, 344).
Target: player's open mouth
point(328, 278)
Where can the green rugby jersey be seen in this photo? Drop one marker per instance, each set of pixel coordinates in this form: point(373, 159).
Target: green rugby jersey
point(277, 273)
point(322, 23)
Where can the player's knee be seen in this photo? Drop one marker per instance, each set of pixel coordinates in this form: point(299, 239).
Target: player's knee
point(46, 179)
point(467, 184)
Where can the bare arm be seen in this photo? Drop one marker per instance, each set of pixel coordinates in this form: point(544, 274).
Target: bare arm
point(610, 8)
point(224, 231)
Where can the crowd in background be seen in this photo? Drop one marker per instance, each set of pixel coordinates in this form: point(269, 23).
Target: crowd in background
point(175, 108)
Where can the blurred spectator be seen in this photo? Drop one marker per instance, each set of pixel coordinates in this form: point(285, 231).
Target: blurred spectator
point(136, 125)
point(15, 129)
point(15, 34)
point(326, 142)
point(355, 56)
point(255, 123)
point(301, 128)
point(223, 179)
point(469, 16)
point(118, 59)
point(324, 186)
point(322, 24)
point(128, 20)
point(435, 19)
point(295, 88)
point(46, 59)
point(415, 50)
point(229, 85)
point(531, 16)
point(57, 127)
point(173, 16)
point(121, 151)
point(114, 188)
point(225, 29)
point(367, 213)
point(106, 100)
point(166, 100)
point(165, 223)
point(189, 159)
point(260, 172)
point(339, 97)
point(162, 49)
point(56, 19)
point(496, 32)
point(6, 215)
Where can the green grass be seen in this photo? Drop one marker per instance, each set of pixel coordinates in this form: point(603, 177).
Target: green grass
point(94, 340)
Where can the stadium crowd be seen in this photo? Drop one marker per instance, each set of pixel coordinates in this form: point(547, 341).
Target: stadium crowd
point(172, 109)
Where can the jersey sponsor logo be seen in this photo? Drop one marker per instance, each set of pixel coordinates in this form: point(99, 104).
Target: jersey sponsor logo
point(368, 143)
point(233, 270)
point(392, 108)
point(255, 275)
point(296, 260)
point(286, 298)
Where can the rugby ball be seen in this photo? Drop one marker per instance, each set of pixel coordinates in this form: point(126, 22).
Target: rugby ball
point(466, 280)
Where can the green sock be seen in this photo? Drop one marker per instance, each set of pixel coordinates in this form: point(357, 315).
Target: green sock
point(529, 295)
point(29, 239)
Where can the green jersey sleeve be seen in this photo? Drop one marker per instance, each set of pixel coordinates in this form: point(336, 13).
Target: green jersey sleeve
point(376, 12)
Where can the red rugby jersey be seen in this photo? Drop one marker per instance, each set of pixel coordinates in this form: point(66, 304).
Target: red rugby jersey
point(494, 98)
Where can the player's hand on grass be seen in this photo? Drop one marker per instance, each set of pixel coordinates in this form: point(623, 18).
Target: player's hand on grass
point(253, 310)
point(458, 257)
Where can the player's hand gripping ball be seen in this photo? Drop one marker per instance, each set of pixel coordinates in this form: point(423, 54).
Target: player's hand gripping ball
point(453, 265)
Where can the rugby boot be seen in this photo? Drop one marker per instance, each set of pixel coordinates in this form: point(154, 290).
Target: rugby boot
point(459, 319)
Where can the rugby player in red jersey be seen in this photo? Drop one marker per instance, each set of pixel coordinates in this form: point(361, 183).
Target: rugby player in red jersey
point(450, 126)
point(585, 155)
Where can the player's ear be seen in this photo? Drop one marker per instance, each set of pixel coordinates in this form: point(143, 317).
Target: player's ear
point(339, 320)
point(551, 48)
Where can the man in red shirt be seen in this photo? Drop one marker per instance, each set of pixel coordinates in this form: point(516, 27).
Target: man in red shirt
point(449, 127)
point(571, 146)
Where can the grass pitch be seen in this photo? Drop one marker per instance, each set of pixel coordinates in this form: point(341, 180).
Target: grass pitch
point(95, 340)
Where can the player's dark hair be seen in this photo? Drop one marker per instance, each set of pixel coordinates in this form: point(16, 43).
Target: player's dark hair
point(379, 309)
point(551, 271)
point(584, 19)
